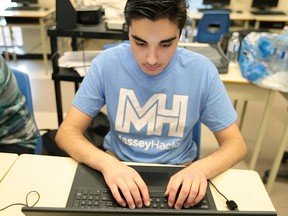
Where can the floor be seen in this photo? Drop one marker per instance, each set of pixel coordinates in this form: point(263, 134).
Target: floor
point(45, 114)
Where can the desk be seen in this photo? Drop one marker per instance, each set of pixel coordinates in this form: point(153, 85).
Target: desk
point(52, 177)
point(262, 18)
point(44, 19)
point(6, 162)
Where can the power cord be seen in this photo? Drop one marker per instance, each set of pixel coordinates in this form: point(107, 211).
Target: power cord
point(27, 203)
point(231, 204)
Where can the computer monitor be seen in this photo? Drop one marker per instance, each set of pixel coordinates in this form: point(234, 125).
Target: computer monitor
point(216, 3)
point(25, 2)
point(264, 4)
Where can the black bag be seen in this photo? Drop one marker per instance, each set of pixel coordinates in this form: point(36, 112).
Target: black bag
point(215, 54)
point(95, 133)
point(242, 33)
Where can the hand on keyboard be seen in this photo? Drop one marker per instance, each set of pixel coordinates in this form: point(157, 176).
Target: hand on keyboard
point(96, 199)
point(126, 185)
point(186, 188)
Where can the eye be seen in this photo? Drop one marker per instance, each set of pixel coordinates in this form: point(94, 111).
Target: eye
point(141, 44)
point(165, 45)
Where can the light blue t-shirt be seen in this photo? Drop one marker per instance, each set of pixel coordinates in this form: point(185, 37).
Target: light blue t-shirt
point(152, 117)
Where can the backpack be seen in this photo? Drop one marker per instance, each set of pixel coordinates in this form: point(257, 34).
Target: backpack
point(95, 133)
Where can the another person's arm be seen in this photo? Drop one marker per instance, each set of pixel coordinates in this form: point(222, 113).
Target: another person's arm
point(193, 178)
point(117, 175)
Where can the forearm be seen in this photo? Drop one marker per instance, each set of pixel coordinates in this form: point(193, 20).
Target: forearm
point(220, 160)
point(79, 148)
point(232, 149)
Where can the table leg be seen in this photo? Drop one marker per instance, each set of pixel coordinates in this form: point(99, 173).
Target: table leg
point(262, 130)
point(6, 53)
point(44, 47)
point(243, 114)
point(277, 161)
point(76, 86)
point(257, 24)
point(58, 96)
point(193, 28)
point(12, 43)
point(246, 24)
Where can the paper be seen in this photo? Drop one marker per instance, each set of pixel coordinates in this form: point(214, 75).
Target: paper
point(78, 60)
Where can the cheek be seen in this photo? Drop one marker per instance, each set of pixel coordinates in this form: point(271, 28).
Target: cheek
point(138, 53)
point(167, 55)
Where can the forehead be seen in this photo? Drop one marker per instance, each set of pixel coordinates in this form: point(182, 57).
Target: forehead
point(153, 30)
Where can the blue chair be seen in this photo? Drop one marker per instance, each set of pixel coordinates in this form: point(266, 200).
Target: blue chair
point(197, 137)
point(24, 86)
point(212, 26)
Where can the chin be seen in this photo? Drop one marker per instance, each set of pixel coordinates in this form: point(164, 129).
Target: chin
point(155, 71)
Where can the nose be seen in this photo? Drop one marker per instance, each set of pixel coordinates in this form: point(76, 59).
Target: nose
point(152, 56)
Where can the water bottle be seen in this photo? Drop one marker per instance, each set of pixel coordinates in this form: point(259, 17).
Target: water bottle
point(279, 57)
point(274, 55)
point(283, 61)
point(233, 47)
point(285, 30)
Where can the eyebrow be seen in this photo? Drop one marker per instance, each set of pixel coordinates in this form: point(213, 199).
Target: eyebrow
point(162, 41)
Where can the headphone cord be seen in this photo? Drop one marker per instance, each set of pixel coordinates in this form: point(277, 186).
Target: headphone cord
point(231, 204)
point(25, 204)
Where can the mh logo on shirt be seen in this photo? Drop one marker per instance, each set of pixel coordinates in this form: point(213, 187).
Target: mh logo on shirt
point(153, 114)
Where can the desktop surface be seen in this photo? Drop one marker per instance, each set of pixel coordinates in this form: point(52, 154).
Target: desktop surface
point(52, 177)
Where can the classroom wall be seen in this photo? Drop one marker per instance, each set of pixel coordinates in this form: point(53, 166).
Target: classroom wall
point(47, 3)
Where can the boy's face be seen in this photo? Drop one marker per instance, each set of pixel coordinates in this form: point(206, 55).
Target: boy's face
point(153, 44)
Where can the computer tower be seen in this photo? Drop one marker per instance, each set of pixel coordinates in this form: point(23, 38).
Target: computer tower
point(66, 15)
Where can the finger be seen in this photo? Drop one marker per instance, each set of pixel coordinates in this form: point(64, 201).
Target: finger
point(192, 194)
point(127, 193)
point(135, 193)
point(197, 193)
point(201, 193)
point(172, 190)
point(183, 194)
point(117, 196)
point(144, 192)
point(168, 187)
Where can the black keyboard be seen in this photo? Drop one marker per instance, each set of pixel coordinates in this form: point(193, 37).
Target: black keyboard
point(269, 13)
point(21, 8)
point(103, 199)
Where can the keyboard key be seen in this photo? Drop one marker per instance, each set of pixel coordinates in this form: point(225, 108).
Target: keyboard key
point(86, 198)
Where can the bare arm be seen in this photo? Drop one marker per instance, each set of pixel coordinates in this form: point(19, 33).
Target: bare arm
point(71, 139)
point(118, 176)
point(193, 179)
